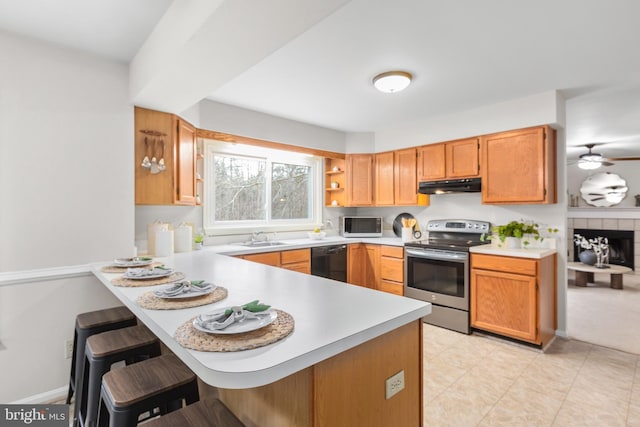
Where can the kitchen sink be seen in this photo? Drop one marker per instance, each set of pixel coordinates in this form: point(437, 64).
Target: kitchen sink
point(260, 244)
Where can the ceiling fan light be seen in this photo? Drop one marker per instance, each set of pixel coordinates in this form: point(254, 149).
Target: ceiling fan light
point(392, 81)
point(589, 164)
point(592, 157)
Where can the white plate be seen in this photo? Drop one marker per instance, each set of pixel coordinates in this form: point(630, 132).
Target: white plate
point(157, 273)
point(193, 292)
point(131, 262)
point(239, 327)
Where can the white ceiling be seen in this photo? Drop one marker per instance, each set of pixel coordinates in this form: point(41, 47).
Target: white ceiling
point(463, 54)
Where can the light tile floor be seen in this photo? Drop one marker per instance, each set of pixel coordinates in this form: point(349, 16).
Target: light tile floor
point(475, 380)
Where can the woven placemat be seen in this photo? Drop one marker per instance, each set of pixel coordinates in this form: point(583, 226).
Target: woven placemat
point(121, 281)
point(191, 338)
point(150, 301)
point(118, 269)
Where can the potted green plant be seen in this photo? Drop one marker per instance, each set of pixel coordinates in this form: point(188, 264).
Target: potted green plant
point(515, 234)
point(199, 240)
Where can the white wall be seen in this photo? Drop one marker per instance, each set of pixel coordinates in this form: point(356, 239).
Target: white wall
point(66, 157)
point(66, 185)
point(540, 109)
point(239, 121)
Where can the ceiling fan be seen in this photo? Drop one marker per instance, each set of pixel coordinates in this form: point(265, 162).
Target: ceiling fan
point(591, 160)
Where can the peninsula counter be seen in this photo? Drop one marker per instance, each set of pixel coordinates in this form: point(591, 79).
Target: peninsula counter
point(347, 342)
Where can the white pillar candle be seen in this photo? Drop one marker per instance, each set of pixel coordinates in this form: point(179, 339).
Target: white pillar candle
point(182, 238)
point(152, 229)
point(164, 243)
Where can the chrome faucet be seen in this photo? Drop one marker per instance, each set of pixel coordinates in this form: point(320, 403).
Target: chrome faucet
point(255, 234)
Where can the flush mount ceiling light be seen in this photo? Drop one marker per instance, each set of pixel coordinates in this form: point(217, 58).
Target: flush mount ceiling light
point(392, 81)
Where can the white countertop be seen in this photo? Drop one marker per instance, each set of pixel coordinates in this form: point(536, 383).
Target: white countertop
point(288, 244)
point(330, 316)
point(536, 253)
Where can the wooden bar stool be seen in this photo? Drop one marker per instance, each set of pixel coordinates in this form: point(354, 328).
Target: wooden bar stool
point(209, 412)
point(91, 323)
point(157, 385)
point(128, 345)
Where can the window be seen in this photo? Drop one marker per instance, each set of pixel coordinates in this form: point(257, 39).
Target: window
point(250, 188)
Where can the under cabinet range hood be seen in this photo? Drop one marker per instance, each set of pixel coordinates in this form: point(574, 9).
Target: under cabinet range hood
point(466, 185)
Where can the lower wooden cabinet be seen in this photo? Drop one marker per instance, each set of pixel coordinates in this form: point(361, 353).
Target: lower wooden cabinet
point(295, 259)
point(268, 258)
point(392, 269)
point(373, 266)
point(514, 297)
point(363, 266)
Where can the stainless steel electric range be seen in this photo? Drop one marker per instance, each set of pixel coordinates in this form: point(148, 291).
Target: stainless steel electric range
point(437, 270)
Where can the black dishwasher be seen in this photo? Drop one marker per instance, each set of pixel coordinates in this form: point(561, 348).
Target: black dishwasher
point(330, 262)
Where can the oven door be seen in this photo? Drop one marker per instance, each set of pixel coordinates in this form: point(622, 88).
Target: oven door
point(437, 276)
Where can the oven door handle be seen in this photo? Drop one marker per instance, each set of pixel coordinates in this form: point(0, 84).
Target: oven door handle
point(440, 255)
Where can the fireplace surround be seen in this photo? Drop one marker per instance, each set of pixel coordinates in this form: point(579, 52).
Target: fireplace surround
point(592, 221)
point(621, 247)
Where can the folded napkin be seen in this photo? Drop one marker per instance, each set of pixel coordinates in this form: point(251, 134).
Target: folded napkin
point(185, 286)
point(220, 320)
point(138, 259)
point(143, 272)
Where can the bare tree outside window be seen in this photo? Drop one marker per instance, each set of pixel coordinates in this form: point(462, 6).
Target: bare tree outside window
point(249, 188)
point(290, 191)
point(240, 188)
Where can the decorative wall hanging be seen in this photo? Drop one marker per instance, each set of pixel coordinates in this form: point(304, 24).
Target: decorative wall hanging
point(153, 143)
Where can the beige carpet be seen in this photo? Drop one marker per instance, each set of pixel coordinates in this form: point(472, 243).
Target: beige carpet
point(608, 317)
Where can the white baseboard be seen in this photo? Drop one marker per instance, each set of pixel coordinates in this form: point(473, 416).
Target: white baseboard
point(562, 334)
point(56, 395)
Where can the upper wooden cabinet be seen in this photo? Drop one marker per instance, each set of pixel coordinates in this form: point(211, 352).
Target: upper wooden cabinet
point(405, 177)
point(519, 167)
point(384, 179)
point(360, 179)
point(164, 136)
point(431, 162)
point(462, 158)
point(395, 178)
point(454, 159)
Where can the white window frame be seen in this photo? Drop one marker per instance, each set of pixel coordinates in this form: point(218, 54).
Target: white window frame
point(213, 228)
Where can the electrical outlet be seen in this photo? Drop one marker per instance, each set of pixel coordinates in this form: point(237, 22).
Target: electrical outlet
point(394, 384)
point(68, 349)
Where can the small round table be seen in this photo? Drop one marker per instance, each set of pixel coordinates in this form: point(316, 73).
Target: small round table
point(584, 273)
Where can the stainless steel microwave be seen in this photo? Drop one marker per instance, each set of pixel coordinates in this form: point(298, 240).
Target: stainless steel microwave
point(361, 226)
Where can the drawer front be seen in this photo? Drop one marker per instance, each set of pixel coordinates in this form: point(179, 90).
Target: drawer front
point(269, 258)
point(296, 255)
point(392, 251)
point(392, 269)
point(505, 263)
point(301, 267)
point(391, 287)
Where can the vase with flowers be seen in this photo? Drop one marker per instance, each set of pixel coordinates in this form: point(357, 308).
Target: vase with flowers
point(593, 251)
